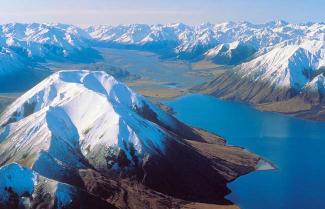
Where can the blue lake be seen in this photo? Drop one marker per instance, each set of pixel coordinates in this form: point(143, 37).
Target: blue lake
point(295, 146)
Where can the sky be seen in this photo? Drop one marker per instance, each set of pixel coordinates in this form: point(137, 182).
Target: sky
point(95, 12)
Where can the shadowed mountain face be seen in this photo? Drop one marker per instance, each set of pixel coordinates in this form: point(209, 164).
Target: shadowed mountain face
point(98, 139)
point(306, 102)
point(285, 79)
point(232, 86)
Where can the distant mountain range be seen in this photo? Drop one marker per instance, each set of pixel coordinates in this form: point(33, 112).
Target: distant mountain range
point(272, 62)
point(81, 139)
point(225, 43)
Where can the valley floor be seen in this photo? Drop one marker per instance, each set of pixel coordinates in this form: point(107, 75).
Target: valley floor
point(146, 73)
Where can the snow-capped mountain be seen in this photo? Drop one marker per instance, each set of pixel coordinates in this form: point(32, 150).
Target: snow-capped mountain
point(224, 43)
point(314, 91)
point(21, 187)
point(290, 66)
point(9, 61)
point(273, 61)
point(230, 54)
point(274, 73)
point(25, 46)
point(237, 41)
point(44, 40)
point(76, 121)
point(206, 39)
point(86, 105)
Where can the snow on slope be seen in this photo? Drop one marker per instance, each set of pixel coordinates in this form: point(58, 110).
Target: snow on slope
point(22, 46)
point(209, 40)
point(232, 53)
point(75, 123)
point(9, 61)
point(314, 91)
point(186, 42)
point(261, 35)
point(24, 182)
point(20, 179)
point(74, 118)
point(317, 84)
point(289, 66)
point(225, 43)
point(39, 40)
point(21, 187)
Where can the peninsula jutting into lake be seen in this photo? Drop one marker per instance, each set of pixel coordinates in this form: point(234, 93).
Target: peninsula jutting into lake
point(162, 104)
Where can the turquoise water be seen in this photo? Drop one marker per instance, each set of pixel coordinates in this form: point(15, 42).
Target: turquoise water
point(294, 145)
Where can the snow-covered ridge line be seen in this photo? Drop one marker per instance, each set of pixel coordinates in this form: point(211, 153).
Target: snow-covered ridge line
point(277, 52)
point(22, 186)
point(280, 54)
point(73, 114)
point(180, 38)
point(83, 121)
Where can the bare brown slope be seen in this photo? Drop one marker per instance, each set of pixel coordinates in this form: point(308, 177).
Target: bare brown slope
point(178, 182)
point(309, 105)
point(231, 86)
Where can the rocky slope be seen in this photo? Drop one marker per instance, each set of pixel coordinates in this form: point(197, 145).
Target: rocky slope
point(98, 140)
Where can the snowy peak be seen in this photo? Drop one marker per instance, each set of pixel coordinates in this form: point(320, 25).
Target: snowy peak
point(77, 121)
point(288, 66)
point(73, 115)
point(276, 23)
point(225, 43)
point(28, 44)
point(67, 37)
point(203, 41)
point(317, 84)
point(24, 188)
point(314, 91)
point(19, 179)
point(230, 54)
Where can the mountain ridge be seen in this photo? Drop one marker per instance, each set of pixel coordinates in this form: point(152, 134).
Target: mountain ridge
point(278, 57)
point(77, 126)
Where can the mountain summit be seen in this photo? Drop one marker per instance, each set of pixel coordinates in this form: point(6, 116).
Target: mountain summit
point(87, 130)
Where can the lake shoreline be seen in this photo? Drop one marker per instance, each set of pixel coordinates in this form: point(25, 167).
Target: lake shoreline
point(291, 144)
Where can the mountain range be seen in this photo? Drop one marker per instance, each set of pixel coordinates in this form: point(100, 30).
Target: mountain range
point(81, 139)
point(271, 63)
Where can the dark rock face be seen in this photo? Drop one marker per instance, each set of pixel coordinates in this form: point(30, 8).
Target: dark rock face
point(189, 171)
point(185, 174)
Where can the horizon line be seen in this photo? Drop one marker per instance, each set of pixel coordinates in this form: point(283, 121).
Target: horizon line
point(167, 23)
